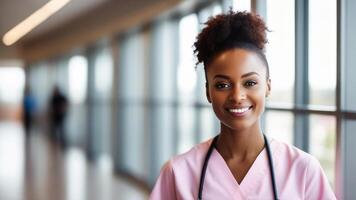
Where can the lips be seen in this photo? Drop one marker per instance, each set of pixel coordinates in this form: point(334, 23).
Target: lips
point(240, 111)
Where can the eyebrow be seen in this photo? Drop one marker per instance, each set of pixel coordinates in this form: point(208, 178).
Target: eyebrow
point(250, 74)
point(243, 76)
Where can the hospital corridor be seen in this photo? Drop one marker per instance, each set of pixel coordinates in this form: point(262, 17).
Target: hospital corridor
point(35, 168)
point(102, 99)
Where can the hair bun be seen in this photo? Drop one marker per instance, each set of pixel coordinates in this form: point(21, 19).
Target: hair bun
point(225, 30)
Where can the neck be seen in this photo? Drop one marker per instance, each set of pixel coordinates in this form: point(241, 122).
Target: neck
point(240, 144)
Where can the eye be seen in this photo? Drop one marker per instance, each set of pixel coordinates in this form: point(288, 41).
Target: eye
point(222, 85)
point(250, 83)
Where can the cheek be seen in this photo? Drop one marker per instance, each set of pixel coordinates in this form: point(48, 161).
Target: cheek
point(217, 98)
point(218, 101)
point(259, 99)
point(218, 111)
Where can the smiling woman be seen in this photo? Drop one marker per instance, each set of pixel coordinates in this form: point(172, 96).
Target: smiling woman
point(240, 162)
point(236, 87)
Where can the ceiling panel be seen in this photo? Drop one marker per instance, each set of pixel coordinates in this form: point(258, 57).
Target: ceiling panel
point(13, 12)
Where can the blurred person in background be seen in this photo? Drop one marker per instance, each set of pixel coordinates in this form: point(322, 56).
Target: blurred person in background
point(29, 107)
point(58, 111)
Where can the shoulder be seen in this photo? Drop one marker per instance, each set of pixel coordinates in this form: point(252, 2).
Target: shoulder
point(179, 176)
point(291, 154)
point(290, 161)
point(302, 169)
point(191, 158)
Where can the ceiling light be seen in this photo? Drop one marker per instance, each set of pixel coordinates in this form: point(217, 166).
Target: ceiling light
point(32, 21)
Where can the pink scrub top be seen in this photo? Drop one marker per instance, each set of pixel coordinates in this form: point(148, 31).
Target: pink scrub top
point(298, 176)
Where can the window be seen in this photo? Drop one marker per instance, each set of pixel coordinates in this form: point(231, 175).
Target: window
point(78, 72)
point(274, 129)
point(187, 81)
point(162, 95)
point(41, 89)
point(101, 125)
point(131, 102)
point(77, 116)
point(241, 5)
point(188, 29)
point(280, 51)
point(292, 100)
point(103, 73)
point(12, 82)
point(322, 52)
point(209, 125)
point(323, 142)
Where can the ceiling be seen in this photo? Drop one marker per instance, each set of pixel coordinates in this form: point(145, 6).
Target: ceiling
point(13, 12)
point(79, 23)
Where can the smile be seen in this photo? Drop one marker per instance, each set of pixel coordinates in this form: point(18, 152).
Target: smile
point(238, 112)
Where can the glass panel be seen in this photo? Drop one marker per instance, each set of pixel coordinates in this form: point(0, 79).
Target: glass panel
point(102, 127)
point(187, 81)
point(208, 128)
point(200, 88)
point(62, 75)
point(274, 119)
point(101, 119)
point(131, 88)
point(280, 50)
point(131, 71)
point(12, 82)
point(188, 30)
point(103, 74)
point(78, 72)
point(241, 5)
point(186, 129)
point(203, 17)
point(41, 84)
point(216, 9)
point(133, 140)
point(162, 68)
point(162, 126)
point(161, 116)
point(323, 142)
point(322, 52)
point(76, 124)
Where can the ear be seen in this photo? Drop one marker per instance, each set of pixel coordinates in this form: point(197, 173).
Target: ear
point(207, 92)
point(268, 89)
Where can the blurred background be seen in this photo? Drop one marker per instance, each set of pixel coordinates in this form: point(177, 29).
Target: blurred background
point(96, 95)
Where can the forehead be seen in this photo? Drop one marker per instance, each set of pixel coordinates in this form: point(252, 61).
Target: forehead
point(236, 62)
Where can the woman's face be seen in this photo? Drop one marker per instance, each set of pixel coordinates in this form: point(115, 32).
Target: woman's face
point(237, 88)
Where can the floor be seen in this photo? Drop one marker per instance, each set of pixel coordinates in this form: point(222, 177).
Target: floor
point(34, 168)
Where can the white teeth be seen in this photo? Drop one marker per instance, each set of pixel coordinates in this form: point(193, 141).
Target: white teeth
point(239, 110)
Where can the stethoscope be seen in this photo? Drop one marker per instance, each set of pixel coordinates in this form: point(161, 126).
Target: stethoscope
point(210, 150)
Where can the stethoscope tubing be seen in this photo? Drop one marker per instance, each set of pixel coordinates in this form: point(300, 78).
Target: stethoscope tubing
point(207, 157)
point(271, 170)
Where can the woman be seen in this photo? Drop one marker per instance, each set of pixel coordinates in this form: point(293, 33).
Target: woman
point(239, 163)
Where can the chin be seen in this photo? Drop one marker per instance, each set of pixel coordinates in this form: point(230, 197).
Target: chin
point(238, 126)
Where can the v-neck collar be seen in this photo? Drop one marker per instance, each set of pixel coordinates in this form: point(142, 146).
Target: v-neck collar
point(253, 177)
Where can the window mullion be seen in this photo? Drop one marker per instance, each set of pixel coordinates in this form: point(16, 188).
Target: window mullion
point(301, 124)
point(346, 138)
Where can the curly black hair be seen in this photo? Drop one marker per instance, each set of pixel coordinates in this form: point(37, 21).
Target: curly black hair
point(228, 31)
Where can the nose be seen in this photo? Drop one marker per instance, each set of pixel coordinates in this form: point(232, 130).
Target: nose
point(238, 94)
